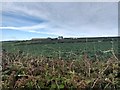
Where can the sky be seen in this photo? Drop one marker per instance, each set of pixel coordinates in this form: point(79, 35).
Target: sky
point(27, 20)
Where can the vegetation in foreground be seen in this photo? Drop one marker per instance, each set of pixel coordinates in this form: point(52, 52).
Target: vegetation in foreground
point(24, 71)
point(60, 65)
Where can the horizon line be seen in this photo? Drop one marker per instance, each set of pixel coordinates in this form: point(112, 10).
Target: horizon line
point(62, 36)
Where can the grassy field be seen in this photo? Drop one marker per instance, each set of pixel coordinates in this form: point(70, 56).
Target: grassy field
point(64, 50)
point(56, 66)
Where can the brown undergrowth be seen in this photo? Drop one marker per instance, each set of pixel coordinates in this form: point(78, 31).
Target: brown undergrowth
point(24, 71)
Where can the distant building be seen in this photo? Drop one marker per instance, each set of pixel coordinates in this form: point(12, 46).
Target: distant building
point(60, 37)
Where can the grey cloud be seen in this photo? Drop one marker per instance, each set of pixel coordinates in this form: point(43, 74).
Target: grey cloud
point(96, 16)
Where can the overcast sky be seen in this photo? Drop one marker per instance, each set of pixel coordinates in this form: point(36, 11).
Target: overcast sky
point(28, 20)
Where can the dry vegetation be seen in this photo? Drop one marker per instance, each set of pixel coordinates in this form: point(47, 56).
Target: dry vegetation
point(24, 71)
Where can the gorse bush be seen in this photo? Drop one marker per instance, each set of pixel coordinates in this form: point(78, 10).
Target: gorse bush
point(23, 71)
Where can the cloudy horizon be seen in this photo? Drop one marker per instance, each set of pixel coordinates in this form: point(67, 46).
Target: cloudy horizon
point(26, 20)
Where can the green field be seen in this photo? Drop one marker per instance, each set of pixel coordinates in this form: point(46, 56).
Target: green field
point(64, 50)
point(86, 65)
